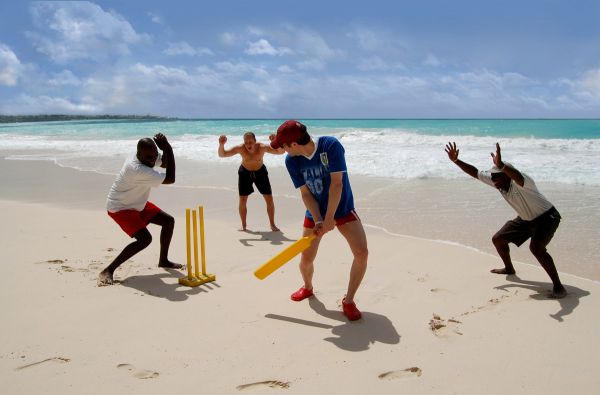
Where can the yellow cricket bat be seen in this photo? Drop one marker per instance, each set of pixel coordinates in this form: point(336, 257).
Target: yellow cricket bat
point(283, 257)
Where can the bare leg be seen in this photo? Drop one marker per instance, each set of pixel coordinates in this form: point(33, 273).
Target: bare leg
point(307, 260)
point(544, 258)
point(243, 209)
point(166, 234)
point(354, 234)
point(143, 240)
point(271, 212)
point(504, 252)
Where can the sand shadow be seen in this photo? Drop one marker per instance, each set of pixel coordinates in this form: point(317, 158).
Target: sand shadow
point(350, 336)
point(276, 238)
point(154, 285)
point(567, 304)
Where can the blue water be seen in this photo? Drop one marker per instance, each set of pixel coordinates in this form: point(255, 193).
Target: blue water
point(535, 128)
point(562, 150)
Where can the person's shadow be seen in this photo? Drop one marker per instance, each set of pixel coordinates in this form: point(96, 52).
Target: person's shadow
point(350, 335)
point(567, 304)
point(154, 285)
point(276, 238)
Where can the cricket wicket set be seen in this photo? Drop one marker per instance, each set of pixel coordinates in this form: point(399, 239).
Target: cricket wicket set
point(195, 278)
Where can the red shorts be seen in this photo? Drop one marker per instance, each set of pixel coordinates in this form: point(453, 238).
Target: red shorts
point(351, 216)
point(132, 220)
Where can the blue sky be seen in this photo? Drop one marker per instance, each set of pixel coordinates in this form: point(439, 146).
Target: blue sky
point(302, 59)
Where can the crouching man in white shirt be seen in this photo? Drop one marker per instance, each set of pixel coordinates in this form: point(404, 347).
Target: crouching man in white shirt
point(128, 204)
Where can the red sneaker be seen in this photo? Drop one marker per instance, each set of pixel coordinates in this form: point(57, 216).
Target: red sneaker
point(351, 311)
point(302, 294)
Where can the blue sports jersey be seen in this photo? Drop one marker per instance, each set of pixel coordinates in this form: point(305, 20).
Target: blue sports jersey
point(315, 173)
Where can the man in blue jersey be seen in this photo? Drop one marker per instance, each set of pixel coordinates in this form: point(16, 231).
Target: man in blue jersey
point(318, 169)
point(537, 218)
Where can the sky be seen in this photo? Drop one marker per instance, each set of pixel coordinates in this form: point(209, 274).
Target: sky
point(302, 59)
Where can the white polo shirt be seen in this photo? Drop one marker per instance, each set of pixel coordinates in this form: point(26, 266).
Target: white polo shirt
point(527, 201)
point(131, 189)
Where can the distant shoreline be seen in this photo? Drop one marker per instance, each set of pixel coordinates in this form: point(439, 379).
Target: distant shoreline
point(63, 117)
point(66, 117)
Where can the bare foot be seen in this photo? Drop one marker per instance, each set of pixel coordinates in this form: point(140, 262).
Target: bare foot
point(169, 265)
point(502, 271)
point(558, 293)
point(274, 228)
point(105, 278)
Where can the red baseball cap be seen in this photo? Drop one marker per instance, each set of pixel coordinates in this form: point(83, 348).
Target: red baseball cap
point(288, 132)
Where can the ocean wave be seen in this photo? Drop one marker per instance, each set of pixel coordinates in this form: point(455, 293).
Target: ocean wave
point(384, 152)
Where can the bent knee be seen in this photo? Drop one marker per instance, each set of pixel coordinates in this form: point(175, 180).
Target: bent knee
point(144, 239)
point(537, 249)
point(362, 253)
point(497, 239)
point(169, 222)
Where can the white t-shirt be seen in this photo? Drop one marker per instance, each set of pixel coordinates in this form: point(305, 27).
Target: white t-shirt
point(131, 189)
point(527, 201)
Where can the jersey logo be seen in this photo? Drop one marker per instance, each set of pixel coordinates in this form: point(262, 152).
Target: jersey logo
point(325, 160)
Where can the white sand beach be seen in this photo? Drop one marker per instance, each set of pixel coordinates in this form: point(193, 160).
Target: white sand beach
point(435, 321)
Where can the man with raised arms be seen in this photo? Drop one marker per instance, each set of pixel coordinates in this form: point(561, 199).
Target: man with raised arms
point(252, 171)
point(537, 218)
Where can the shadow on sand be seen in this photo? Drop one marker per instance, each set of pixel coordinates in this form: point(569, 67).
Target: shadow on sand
point(350, 336)
point(543, 289)
point(275, 238)
point(154, 285)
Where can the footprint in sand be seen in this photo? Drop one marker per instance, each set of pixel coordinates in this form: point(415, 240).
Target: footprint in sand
point(401, 374)
point(441, 327)
point(490, 304)
point(267, 383)
point(440, 290)
point(55, 261)
point(55, 359)
point(138, 374)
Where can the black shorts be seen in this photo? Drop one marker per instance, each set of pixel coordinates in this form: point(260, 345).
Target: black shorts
point(541, 229)
point(258, 177)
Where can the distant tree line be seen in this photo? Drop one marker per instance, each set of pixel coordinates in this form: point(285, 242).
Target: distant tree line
point(63, 117)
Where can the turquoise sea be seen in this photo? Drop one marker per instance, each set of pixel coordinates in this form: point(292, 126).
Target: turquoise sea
point(562, 150)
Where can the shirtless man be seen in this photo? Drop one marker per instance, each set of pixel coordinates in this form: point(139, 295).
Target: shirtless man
point(252, 171)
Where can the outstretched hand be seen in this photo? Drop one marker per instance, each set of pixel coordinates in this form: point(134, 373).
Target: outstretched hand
point(161, 141)
point(452, 151)
point(498, 157)
point(222, 139)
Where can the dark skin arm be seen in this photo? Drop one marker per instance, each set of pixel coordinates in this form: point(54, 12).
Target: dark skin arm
point(163, 144)
point(452, 152)
point(510, 171)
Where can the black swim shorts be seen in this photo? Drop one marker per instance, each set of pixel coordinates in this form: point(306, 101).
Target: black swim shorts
point(258, 177)
point(541, 229)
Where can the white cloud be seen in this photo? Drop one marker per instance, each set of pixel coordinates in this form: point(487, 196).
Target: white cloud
point(10, 66)
point(65, 77)
point(183, 48)
point(26, 104)
point(590, 83)
point(228, 38)
point(432, 60)
point(155, 18)
point(293, 40)
point(263, 47)
point(313, 45)
point(80, 30)
point(375, 63)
